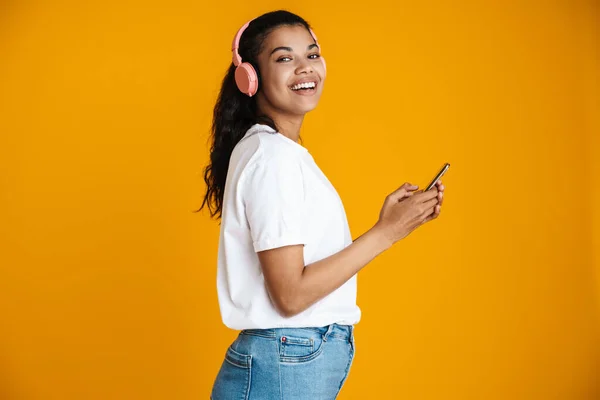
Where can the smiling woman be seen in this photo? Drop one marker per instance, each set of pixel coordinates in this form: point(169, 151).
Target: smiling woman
point(287, 265)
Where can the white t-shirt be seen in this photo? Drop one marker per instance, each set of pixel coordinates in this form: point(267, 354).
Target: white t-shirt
point(276, 195)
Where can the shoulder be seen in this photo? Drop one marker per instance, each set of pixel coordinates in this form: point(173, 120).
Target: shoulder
point(272, 166)
point(269, 148)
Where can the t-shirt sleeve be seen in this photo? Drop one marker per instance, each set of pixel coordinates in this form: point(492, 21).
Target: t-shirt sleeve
point(274, 202)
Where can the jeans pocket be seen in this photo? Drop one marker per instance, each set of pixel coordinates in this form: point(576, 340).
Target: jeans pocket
point(233, 379)
point(296, 349)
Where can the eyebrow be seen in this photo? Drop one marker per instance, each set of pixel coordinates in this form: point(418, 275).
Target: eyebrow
point(310, 46)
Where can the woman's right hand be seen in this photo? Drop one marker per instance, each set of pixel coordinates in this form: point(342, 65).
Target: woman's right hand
point(406, 209)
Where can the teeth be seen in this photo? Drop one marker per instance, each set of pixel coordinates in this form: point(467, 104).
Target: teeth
point(304, 85)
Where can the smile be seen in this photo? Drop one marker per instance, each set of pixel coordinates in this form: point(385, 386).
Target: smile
point(304, 86)
point(307, 88)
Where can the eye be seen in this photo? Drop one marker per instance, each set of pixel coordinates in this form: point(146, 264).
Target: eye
point(314, 56)
point(284, 59)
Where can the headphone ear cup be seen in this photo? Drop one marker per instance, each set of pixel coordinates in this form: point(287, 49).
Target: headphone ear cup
point(246, 79)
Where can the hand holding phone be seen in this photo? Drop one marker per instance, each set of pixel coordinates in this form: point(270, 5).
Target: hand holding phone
point(437, 177)
point(406, 209)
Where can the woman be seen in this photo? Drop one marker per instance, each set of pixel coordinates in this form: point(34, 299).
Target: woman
point(287, 265)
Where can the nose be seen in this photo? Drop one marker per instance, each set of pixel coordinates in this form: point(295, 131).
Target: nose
point(304, 67)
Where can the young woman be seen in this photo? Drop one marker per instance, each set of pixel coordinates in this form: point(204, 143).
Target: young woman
point(287, 265)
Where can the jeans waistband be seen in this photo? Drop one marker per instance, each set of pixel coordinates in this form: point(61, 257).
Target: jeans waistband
point(333, 330)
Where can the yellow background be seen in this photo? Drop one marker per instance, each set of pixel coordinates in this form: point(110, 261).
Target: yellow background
point(107, 278)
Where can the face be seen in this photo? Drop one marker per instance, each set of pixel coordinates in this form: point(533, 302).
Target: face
point(292, 73)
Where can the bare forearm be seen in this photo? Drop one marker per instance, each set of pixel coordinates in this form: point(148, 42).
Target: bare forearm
point(324, 276)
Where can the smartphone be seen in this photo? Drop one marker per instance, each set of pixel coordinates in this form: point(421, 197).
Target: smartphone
point(438, 176)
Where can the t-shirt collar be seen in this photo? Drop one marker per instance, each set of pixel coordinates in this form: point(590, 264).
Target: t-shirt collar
point(266, 128)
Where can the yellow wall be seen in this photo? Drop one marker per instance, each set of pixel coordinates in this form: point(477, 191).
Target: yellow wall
point(592, 74)
point(107, 279)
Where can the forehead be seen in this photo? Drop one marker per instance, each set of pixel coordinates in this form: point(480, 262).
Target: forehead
point(297, 37)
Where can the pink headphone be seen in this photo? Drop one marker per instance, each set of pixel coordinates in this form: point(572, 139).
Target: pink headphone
point(246, 78)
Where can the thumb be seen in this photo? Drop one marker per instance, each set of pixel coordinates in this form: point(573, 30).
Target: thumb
point(403, 191)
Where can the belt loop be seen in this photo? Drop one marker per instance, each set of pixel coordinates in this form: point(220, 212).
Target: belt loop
point(329, 329)
point(351, 336)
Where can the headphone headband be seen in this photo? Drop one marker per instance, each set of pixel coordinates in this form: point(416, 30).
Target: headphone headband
point(237, 59)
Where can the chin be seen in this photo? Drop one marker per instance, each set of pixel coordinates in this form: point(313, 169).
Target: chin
point(304, 110)
point(304, 107)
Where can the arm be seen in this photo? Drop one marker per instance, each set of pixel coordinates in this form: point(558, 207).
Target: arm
point(293, 287)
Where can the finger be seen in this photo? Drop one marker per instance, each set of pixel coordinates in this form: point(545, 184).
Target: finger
point(409, 188)
point(430, 203)
point(428, 208)
point(440, 186)
point(434, 215)
point(429, 212)
point(440, 197)
point(422, 197)
point(403, 191)
point(436, 210)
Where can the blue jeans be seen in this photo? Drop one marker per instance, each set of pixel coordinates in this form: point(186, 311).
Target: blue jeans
point(286, 364)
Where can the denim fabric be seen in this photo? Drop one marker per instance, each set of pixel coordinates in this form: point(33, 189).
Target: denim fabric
point(286, 364)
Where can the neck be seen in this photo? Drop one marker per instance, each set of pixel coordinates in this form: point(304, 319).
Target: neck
point(287, 124)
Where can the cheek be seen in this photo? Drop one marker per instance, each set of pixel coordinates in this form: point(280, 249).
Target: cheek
point(323, 70)
point(275, 84)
